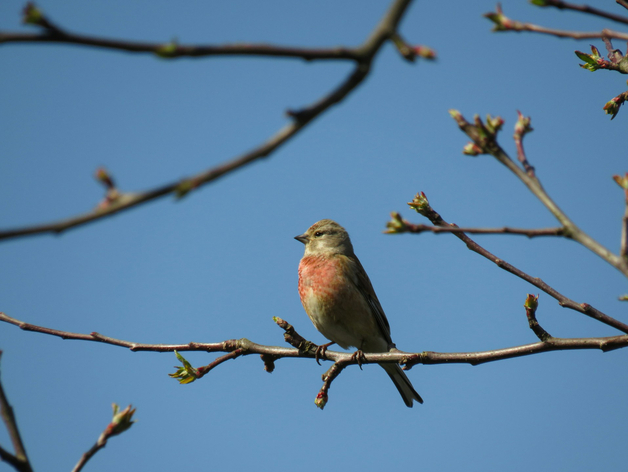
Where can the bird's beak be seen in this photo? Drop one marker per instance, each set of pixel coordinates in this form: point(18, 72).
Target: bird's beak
point(302, 238)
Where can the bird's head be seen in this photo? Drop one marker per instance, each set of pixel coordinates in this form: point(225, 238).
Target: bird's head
point(326, 237)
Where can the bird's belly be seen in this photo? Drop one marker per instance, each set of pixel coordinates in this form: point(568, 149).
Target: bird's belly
point(343, 317)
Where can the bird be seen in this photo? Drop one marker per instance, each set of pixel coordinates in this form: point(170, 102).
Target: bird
point(339, 299)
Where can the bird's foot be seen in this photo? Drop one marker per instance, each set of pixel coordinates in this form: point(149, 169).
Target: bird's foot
point(321, 350)
point(359, 357)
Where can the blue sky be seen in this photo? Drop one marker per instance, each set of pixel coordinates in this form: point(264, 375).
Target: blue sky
point(222, 262)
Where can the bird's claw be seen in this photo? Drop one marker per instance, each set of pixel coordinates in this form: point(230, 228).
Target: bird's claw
point(321, 351)
point(359, 357)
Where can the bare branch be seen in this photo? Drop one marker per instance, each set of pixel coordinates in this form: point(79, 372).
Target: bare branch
point(364, 55)
point(422, 206)
point(531, 304)
point(555, 344)
point(583, 9)
point(328, 377)
point(122, 420)
point(53, 33)
point(503, 23)
point(174, 50)
point(622, 181)
point(485, 142)
point(20, 460)
point(530, 233)
point(406, 358)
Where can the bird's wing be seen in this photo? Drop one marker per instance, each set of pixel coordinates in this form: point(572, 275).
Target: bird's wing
point(366, 288)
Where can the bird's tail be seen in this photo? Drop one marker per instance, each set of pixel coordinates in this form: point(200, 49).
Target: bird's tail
point(403, 384)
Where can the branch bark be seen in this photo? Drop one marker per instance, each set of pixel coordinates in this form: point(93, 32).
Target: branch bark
point(19, 460)
point(585, 9)
point(307, 349)
point(363, 56)
point(485, 141)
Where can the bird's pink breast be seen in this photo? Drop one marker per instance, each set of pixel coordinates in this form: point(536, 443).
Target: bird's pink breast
point(318, 276)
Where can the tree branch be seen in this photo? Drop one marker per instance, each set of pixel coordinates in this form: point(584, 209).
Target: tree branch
point(121, 421)
point(422, 206)
point(52, 33)
point(363, 55)
point(20, 460)
point(307, 349)
point(484, 137)
point(174, 50)
point(503, 23)
point(530, 233)
point(581, 8)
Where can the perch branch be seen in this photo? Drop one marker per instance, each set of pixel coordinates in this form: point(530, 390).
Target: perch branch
point(308, 349)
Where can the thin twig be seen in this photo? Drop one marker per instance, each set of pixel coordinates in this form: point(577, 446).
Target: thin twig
point(20, 460)
point(488, 144)
point(231, 355)
point(87, 456)
point(53, 33)
point(530, 233)
point(179, 50)
point(122, 420)
point(623, 250)
point(363, 55)
point(503, 23)
point(585, 9)
point(622, 181)
point(531, 304)
point(555, 344)
point(576, 34)
point(422, 206)
point(328, 377)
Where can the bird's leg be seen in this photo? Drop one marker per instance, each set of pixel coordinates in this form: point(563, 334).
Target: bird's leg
point(359, 357)
point(321, 350)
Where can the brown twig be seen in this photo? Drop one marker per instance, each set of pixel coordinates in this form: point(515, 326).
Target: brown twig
point(530, 233)
point(328, 377)
point(174, 50)
point(52, 33)
point(531, 304)
point(486, 143)
point(363, 55)
point(19, 460)
point(422, 206)
point(603, 343)
point(622, 181)
point(585, 9)
point(122, 420)
point(555, 344)
point(503, 23)
point(231, 355)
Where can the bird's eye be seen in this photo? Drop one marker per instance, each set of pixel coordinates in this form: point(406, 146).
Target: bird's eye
point(318, 234)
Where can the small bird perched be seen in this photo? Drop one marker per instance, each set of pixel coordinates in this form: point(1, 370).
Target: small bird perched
point(339, 299)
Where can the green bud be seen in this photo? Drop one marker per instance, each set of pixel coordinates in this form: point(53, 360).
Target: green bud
point(621, 181)
point(31, 15)
point(396, 225)
point(532, 302)
point(185, 374)
point(167, 50)
point(321, 400)
point(420, 203)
